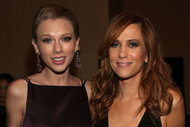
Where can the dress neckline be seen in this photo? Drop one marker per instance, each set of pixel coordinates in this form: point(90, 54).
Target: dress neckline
point(43, 85)
point(143, 121)
point(139, 122)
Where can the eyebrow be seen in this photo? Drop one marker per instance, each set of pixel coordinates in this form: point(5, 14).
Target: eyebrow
point(130, 40)
point(116, 40)
point(51, 35)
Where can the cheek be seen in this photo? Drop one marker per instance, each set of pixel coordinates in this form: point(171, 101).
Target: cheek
point(139, 55)
point(44, 50)
point(112, 54)
point(45, 53)
point(70, 48)
point(112, 60)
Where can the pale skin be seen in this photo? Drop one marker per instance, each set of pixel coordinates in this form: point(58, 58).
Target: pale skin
point(127, 56)
point(56, 40)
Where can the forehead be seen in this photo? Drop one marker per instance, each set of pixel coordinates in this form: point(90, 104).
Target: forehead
point(55, 25)
point(133, 31)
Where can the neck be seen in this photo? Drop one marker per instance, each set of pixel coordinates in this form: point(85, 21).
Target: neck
point(130, 88)
point(56, 79)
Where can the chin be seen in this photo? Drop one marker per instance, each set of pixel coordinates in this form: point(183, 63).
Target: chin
point(123, 75)
point(60, 70)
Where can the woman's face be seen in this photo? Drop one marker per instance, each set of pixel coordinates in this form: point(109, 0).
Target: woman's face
point(128, 53)
point(56, 44)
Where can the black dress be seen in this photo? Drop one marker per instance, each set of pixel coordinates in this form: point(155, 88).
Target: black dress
point(57, 106)
point(145, 122)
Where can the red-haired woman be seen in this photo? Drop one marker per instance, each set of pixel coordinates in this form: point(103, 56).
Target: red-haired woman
point(133, 87)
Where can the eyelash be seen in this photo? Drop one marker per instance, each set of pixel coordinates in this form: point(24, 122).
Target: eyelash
point(114, 45)
point(133, 44)
point(67, 38)
point(47, 40)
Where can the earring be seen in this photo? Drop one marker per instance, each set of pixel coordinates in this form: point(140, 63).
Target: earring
point(39, 66)
point(77, 60)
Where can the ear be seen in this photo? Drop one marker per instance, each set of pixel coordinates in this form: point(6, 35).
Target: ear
point(146, 60)
point(35, 47)
point(77, 47)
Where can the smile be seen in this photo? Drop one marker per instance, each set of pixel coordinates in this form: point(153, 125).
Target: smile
point(123, 64)
point(58, 60)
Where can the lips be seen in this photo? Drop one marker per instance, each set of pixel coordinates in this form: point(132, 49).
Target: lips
point(58, 60)
point(123, 64)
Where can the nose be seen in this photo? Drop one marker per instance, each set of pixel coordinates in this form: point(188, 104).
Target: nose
point(123, 52)
point(58, 47)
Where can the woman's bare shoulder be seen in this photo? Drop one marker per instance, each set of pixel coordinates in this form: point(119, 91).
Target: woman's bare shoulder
point(176, 118)
point(88, 88)
point(88, 84)
point(16, 102)
point(177, 96)
point(17, 88)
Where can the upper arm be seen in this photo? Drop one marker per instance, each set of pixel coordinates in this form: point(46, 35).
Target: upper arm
point(176, 118)
point(15, 102)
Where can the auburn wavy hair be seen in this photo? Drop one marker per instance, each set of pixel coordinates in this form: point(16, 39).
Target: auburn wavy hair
point(155, 80)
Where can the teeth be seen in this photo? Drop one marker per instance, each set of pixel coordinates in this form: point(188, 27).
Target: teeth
point(124, 64)
point(58, 59)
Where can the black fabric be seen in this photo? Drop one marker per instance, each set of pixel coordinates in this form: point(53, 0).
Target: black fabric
point(2, 116)
point(102, 123)
point(57, 106)
point(145, 122)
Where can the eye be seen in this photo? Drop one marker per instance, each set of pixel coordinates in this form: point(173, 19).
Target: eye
point(133, 44)
point(67, 38)
point(115, 44)
point(47, 40)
